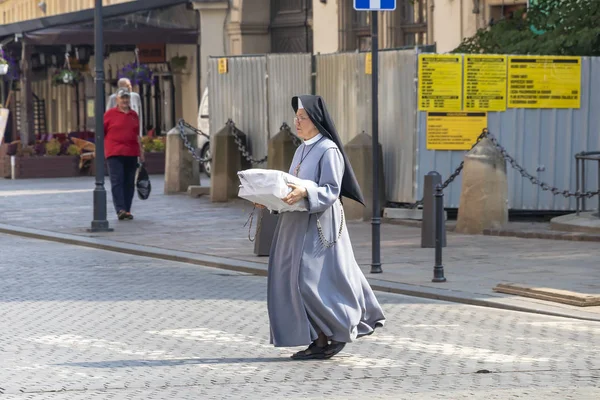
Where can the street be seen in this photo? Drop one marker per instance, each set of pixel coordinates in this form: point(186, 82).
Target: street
point(80, 323)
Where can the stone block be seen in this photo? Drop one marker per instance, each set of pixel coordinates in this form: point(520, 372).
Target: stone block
point(403, 213)
point(181, 169)
point(197, 191)
point(281, 151)
point(484, 195)
point(227, 161)
point(360, 154)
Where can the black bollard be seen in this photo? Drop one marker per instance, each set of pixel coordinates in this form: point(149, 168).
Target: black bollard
point(438, 268)
point(432, 179)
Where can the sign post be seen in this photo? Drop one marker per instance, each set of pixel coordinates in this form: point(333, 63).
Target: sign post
point(374, 6)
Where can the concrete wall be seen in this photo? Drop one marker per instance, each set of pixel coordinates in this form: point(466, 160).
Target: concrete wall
point(325, 27)
point(212, 36)
point(248, 27)
point(454, 20)
point(186, 84)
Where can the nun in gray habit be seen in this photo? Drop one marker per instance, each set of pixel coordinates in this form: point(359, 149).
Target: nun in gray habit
point(317, 294)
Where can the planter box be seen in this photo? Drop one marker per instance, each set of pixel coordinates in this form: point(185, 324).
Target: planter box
point(4, 162)
point(46, 167)
point(155, 163)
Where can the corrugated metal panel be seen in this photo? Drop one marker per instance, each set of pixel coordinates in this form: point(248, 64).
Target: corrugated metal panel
point(543, 141)
point(397, 122)
point(289, 75)
point(341, 81)
point(241, 94)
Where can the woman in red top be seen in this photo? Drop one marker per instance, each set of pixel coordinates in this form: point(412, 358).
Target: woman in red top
point(123, 146)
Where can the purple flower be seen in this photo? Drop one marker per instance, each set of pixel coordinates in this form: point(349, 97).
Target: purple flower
point(138, 74)
point(13, 68)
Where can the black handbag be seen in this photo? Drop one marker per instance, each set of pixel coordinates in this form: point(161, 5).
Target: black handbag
point(142, 182)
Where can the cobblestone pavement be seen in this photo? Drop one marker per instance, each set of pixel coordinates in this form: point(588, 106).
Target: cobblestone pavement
point(474, 264)
point(80, 323)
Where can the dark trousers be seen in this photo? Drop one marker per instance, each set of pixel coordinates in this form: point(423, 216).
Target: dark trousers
point(122, 179)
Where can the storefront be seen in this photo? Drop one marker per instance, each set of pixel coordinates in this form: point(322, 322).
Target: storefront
point(160, 35)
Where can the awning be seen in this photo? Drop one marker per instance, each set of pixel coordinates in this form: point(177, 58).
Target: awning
point(135, 22)
point(75, 36)
point(85, 16)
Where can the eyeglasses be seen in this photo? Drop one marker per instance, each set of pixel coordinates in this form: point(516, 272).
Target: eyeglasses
point(299, 119)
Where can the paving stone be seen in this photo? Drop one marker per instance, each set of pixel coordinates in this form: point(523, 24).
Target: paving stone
point(81, 323)
point(474, 265)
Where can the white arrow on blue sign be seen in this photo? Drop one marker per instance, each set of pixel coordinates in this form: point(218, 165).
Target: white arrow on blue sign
point(375, 5)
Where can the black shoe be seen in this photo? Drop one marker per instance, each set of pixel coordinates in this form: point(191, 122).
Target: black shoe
point(128, 216)
point(122, 215)
point(333, 348)
point(313, 352)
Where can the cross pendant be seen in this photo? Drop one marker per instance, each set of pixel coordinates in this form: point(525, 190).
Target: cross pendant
point(297, 170)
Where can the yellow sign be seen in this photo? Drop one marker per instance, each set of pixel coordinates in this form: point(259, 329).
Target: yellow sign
point(368, 64)
point(440, 82)
point(222, 66)
point(91, 108)
point(544, 82)
point(485, 83)
point(454, 130)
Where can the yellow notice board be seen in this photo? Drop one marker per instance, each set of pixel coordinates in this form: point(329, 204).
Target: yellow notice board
point(454, 130)
point(485, 82)
point(368, 64)
point(440, 82)
point(544, 82)
point(223, 66)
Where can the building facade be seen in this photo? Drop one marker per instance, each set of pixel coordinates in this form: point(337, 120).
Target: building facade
point(445, 23)
point(199, 29)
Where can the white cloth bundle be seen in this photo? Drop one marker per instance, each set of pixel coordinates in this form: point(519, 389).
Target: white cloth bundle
point(269, 186)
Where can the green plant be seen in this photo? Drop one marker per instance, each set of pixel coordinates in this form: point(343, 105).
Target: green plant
point(25, 151)
point(159, 145)
point(147, 144)
point(66, 77)
point(178, 63)
point(73, 150)
point(3, 60)
point(550, 27)
point(53, 147)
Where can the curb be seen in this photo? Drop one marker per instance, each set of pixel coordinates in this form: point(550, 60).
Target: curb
point(522, 234)
point(260, 269)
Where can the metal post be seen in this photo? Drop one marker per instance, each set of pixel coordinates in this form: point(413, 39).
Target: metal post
point(583, 205)
point(100, 223)
point(376, 222)
point(598, 210)
point(577, 183)
point(428, 225)
point(438, 268)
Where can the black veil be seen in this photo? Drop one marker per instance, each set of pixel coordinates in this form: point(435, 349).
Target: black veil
point(317, 111)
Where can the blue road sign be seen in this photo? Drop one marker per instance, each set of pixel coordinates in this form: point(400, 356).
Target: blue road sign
point(375, 5)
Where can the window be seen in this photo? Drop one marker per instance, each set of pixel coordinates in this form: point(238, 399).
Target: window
point(406, 26)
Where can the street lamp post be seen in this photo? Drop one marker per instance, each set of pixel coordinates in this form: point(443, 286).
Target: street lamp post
point(100, 223)
point(376, 220)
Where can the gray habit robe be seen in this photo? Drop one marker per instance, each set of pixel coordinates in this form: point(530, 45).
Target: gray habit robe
point(312, 288)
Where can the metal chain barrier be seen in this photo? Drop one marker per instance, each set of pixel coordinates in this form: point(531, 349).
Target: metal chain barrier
point(241, 147)
point(182, 125)
point(456, 172)
point(295, 139)
point(514, 164)
point(535, 181)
